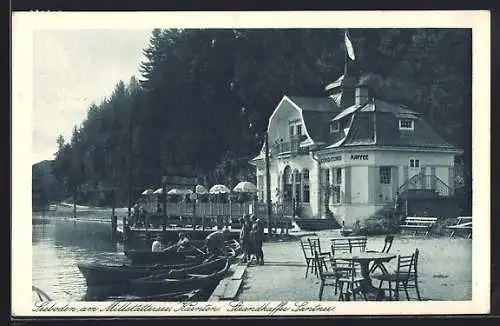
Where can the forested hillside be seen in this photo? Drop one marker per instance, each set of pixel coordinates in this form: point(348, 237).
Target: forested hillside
point(204, 97)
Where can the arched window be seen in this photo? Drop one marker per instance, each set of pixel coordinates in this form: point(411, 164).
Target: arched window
point(305, 186)
point(297, 185)
point(287, 184)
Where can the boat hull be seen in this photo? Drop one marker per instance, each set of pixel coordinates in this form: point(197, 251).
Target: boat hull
point(101, 275)
point(168, 257)
point(208, 282)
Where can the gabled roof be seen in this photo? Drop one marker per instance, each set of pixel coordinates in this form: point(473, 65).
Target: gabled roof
point(377, 123)
point(315, 104)
point(316, 113)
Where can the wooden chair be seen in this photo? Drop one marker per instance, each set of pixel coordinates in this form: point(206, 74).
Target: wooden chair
point(350, 278)
point(340, 246)
point(328, 278)
point(387, 247)
point(308, 256)
point(404, 278)
point(358, 243)
point(315, 245)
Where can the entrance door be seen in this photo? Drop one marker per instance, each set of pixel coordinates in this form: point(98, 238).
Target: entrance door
point(287, 189)
point(385, 184)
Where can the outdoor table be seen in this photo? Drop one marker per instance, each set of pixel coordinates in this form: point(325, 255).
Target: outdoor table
point(364, 259)
point(348, 238)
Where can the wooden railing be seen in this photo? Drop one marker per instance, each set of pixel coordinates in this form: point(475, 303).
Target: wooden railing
point(214, 209)
point(426, 182)
point(289, 147)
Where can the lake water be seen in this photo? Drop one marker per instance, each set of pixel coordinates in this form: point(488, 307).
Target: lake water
point(60, 245)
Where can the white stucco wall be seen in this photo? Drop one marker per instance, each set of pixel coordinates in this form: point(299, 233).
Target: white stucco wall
point(359, 184)
point(284, 115)
point(442, 173)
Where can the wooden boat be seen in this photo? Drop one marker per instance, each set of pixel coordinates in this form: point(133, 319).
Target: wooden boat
point(206, 267)
point(138, 257)
point(206, 282)
point(101, 292)
point(173, 296)
point(101, 274)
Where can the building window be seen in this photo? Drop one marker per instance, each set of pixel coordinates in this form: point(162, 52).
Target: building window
point(336, 185)
point(334, 127)
point(385, 175)
point(414, 163)
point(406, 124)
point(297, 186)
point(291, 130)
point(305, 186)
point(299, 130)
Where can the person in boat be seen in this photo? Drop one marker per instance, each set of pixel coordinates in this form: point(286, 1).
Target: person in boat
point(156, 246)
point(183, 242)
point(245, 238)
point(215, 242)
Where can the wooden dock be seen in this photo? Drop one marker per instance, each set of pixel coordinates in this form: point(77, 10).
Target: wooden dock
point(229, 287)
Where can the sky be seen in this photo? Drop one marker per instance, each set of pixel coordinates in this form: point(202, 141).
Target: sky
point(72, 69)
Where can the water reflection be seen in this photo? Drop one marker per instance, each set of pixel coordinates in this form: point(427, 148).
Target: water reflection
point(60, 245)
point(88, 236)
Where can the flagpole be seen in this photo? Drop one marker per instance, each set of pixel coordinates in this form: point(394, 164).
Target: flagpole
point(345, 54)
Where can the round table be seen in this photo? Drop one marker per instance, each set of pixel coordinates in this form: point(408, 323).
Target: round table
point(351, 237)
point(364, 259)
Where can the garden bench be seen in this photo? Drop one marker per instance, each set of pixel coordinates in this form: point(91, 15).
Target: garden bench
point(464, 223)
point(423, 224)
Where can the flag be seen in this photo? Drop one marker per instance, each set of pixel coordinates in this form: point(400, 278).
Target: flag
point(348, 46)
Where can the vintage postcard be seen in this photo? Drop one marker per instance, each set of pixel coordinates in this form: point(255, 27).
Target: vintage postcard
point(250, 163)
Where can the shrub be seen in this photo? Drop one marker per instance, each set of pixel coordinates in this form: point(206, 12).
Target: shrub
point(376, 225)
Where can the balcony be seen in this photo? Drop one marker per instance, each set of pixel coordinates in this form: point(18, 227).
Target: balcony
point(291, 147)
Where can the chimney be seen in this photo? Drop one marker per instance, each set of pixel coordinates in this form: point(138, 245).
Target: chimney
point(361, 96)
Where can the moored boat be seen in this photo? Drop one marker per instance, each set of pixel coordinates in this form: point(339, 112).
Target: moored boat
point(186, 282)
point(206, 267)
point(102, 274)
point(172, 296)
point(165, 257)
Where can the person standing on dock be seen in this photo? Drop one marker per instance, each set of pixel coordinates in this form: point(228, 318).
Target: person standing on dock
point(136, 213)
point(156, 246)
point(257, 238)
point(245, 238)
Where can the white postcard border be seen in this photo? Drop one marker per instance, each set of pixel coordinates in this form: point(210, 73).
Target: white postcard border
point(23, 25)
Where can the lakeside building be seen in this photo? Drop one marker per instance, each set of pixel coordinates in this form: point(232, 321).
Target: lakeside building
point(349, 155)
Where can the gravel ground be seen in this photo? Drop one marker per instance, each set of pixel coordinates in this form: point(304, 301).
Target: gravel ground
point(445, 269)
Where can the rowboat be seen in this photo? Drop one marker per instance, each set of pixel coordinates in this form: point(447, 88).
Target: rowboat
point(105, 274)
point(206, 282)
point(173, 296)
point(207, 267)
point(138, 257)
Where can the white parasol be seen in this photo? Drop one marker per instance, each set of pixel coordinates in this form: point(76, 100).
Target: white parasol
point(176, 191)
point(245, 186)
point(158, 191)
point(201, 190)
point(147, 192)
point(219, 189)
